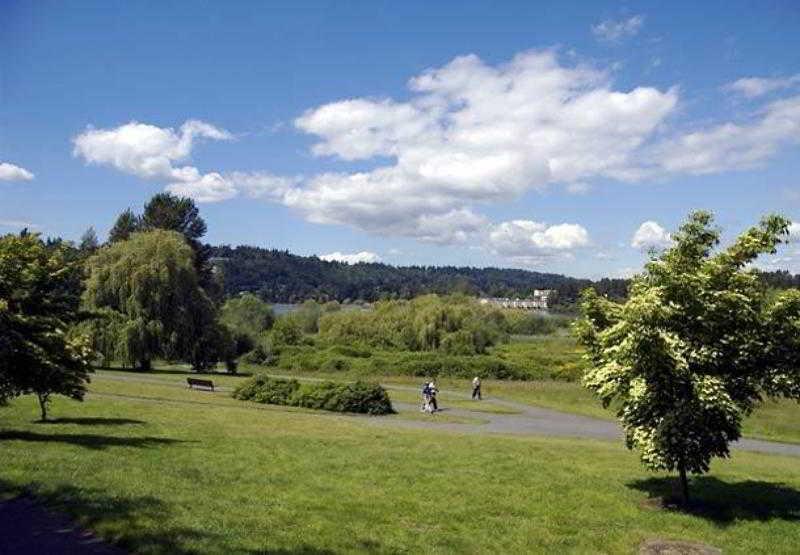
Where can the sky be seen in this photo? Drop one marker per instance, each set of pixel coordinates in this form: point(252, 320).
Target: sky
point(568, 137)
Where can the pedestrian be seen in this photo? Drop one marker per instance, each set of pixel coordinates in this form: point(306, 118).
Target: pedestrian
point(432, 393)
point(476, 388)
point(426, 397)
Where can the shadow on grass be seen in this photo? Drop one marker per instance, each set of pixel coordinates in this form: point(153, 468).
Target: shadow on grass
point(90, 441)
point(724, 503)
point(90, 421)
point(41, 521)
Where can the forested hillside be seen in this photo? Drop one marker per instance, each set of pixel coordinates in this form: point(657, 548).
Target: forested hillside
point(279, 276)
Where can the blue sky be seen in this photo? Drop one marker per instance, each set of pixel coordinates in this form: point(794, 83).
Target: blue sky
point(566, 137)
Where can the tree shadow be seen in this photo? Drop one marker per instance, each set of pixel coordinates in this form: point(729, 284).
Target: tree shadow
point(40, 520)
point(90, 441)
point(724, 503)
point(92, 421)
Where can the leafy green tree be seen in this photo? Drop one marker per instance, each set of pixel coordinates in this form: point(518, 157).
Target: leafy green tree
point(37, 304)
point(247, 317)
point(286, 331)
point(126, 223)
point(151, 281)
point(698, 344)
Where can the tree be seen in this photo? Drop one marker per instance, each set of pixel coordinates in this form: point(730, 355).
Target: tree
point(247, 317)
point(37, 304)
point(126, 223)
point(89, 242)
point(698, 344)
point(150, 281)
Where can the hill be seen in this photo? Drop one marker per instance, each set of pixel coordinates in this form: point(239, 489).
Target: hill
point(279, 276)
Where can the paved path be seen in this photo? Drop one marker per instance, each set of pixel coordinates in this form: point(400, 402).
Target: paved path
point(528, 420)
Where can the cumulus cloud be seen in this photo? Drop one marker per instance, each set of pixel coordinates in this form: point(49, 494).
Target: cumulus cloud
point(469, 134)
point(752, 87)
point(612, 31)
point(650, 235)
point(729, 146)
point(151, 152)
point(352, 258)
point(10, 172)
point(473, 133)
point(530, 242)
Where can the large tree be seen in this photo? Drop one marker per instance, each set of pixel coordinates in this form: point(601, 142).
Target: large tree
point(37, 304)
point(126, 223)
point(698, 344)
point(149, 286)
point(180, 214)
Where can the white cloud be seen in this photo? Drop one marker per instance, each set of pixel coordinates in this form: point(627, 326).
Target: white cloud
point(469, 134)
point(353, 258)
point(752, 87)
point(650, 235)
point(612, 31)
point(530, 243)
point(10, 172)
point(151, 153)
point(473, 133)
point(794, 232)
point(729, 146)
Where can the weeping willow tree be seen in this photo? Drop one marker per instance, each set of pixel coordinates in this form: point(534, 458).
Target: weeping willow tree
point(147, 291)
point(698, 345)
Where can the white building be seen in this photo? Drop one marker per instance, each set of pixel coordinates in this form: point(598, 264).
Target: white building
point(540, 299)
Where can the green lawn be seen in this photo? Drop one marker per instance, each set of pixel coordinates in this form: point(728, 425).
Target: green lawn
point(159, 469)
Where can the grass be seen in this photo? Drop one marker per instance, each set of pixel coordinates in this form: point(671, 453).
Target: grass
point(159, 469)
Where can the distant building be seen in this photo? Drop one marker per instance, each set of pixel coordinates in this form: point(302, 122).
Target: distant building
point(539, 300)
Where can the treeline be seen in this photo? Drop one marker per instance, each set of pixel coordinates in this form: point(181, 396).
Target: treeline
point(279, 276)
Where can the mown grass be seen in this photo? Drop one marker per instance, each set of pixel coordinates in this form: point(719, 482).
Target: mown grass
point(158, 469)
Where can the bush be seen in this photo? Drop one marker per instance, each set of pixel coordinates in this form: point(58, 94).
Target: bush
point(358, 397)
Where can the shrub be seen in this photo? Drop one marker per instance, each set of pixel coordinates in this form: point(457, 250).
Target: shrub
point(358, 397)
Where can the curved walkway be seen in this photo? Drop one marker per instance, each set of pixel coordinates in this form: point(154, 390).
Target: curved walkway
point(527, 420)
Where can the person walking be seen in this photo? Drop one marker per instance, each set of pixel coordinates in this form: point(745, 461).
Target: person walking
point(432, 394)
point(426, 397)
point(476, 388)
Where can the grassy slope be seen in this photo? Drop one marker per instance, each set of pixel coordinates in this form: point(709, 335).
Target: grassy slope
point(198, 472)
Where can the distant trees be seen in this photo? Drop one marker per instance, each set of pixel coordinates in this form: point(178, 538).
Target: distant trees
point(37, 304)
point(696, 347)
point(149, 293)
point(279, 276)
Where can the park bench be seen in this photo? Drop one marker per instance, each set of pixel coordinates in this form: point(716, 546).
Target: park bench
point(202, 384)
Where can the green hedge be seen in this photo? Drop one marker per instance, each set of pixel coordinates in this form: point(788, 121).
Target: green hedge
point(358, 397)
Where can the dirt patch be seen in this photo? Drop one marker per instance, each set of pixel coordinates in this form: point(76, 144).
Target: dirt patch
point(26, 526)
point(677, 547)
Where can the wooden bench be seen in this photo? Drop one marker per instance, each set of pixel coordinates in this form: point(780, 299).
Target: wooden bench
point(201, 384)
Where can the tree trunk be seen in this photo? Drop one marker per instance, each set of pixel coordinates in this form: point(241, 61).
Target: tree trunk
point(145, 365)
point(43, 397)
point(684, 483)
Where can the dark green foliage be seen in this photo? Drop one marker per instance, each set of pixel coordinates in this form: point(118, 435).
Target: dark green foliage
point(532, 323)
point(278, 276)
point(126, 223)
point(286, 332)
point(248, 317)
point(38, 303)
point(312, 359)
point(358, 397)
